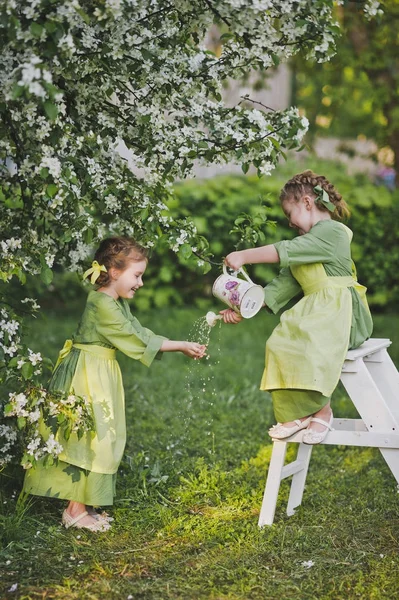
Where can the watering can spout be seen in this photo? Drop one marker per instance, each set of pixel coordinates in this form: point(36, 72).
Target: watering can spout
point(212, 317)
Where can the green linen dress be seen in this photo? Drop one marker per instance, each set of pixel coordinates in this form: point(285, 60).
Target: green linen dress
point(86, 470)
point(306, 351)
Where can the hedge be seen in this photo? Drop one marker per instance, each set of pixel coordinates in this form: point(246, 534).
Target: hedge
point(215, 204)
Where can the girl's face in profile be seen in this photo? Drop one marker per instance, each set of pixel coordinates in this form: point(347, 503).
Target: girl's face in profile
point(299, 214)
point(125, 283)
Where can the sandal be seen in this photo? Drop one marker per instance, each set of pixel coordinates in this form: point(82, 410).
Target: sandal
point(279, 431)
point(68, 521)
point(316, 437)
point(103, 515)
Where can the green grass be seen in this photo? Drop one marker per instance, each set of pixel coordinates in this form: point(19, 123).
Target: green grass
point(190, 489)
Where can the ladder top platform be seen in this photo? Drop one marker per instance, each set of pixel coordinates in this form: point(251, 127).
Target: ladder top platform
point(369, 347)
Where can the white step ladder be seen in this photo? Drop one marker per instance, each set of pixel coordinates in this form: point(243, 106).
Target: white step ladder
point(372, 383)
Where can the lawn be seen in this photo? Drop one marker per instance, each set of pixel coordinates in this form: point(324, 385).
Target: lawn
point(190, 488)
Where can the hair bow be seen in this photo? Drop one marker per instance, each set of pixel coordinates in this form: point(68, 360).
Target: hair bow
point(94, 271)
point(324, 198)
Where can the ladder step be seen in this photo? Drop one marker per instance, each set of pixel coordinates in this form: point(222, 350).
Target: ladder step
point(292, 468)
point(354, 438)
point(368, 347)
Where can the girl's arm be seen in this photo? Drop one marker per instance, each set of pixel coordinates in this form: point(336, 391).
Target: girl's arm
point(190, 349)
point(264, 254)
point(128, 335)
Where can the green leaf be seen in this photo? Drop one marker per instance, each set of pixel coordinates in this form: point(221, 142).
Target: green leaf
point(51, 190)
point(7, 409)
point(51, 110)
point(146, 54)
point(14, 202)
point(46, 275)
point(36, 29)
point(50, 26)
point(17, 91)
point(27, 370)
point(88, 236)
point(13, 362)
point(83, 14)
point(226, 36)
point(67, 432)
point(185, 251)
point(21, 422)
point(245, 168)
point(275, 59)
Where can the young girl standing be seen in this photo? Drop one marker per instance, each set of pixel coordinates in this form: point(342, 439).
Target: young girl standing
point(306, 351)
point(86, 471)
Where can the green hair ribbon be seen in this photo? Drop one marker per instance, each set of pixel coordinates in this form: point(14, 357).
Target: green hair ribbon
point(324, 198)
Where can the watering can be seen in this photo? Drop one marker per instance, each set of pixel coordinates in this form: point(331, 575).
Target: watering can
point(239, 293)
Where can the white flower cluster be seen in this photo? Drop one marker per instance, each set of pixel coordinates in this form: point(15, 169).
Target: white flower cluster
point(9, 333)
point(31, 410)
point(33, 76)
point(8, 439)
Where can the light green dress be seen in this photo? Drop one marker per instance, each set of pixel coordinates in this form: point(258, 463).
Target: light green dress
point(86, 471)
point(306, 351)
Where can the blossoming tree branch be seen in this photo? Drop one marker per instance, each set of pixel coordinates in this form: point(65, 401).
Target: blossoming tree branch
point(78, 79)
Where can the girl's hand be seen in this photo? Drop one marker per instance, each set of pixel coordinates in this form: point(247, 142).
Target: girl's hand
point(234, 260)
point(193, 350)
point(230, 316)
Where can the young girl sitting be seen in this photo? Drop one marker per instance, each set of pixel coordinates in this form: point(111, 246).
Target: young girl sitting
point(306, 351)
point(86, 471)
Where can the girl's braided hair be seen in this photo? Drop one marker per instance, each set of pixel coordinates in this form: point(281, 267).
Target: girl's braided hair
point(304, 183)
point(117, 252)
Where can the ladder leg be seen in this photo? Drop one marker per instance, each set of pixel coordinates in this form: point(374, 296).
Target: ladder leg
point(374, 410)
point(391, 456)
point(299, 479)
point(270, 495)
point(386, 377)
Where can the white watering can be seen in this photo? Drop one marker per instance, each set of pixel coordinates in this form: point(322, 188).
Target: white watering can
point(242, 295)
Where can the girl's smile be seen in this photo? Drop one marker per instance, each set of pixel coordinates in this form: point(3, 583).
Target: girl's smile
point(124, 284)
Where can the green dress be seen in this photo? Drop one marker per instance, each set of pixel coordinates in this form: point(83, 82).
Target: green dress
point(306, 351)
point(86, 470)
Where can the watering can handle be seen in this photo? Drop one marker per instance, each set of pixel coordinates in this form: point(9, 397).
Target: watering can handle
point(234, 273)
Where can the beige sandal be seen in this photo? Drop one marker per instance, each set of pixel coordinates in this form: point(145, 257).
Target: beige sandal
point(280, 432)
point(102, 515)
point(316, 437)
point(68, 521)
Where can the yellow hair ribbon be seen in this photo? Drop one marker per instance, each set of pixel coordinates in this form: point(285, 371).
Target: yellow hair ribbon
point(94, 271)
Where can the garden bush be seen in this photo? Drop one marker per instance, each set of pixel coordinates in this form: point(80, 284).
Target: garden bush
point(215, 203)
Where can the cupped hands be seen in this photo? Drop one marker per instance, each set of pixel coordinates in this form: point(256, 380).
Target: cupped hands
point(193, 350)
